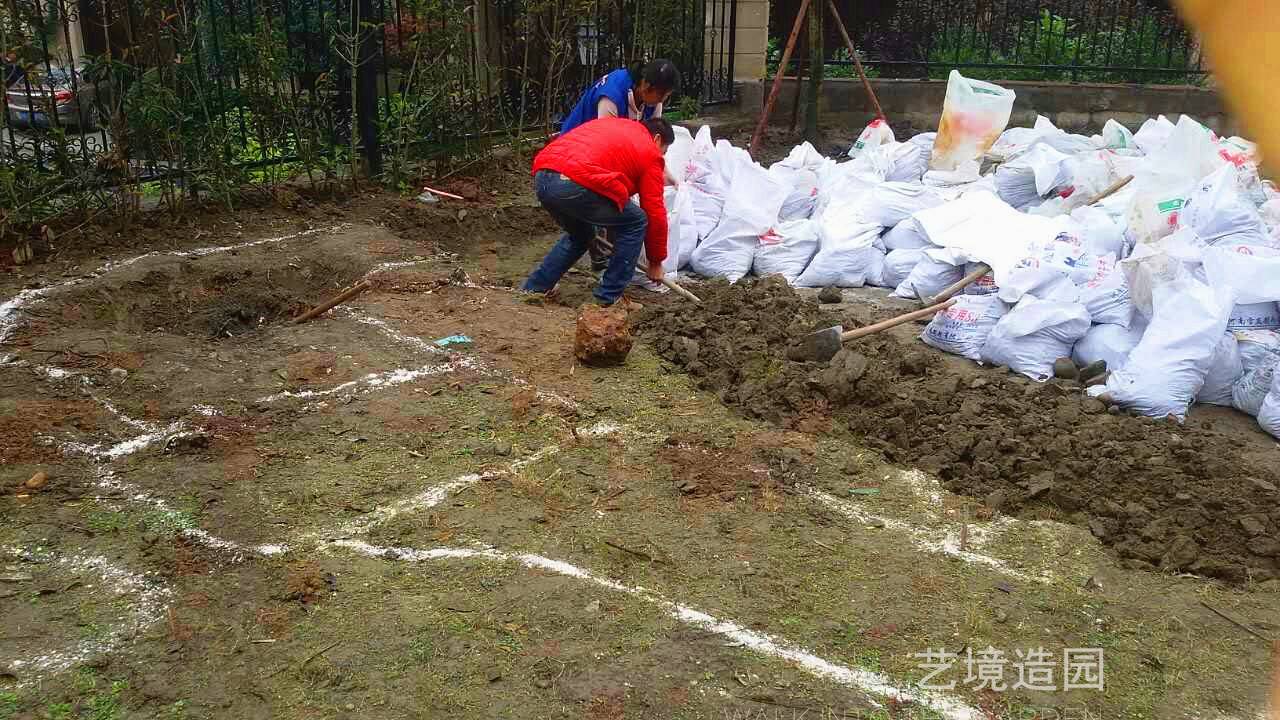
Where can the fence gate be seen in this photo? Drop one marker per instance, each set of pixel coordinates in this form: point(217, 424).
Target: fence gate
point(116, 91)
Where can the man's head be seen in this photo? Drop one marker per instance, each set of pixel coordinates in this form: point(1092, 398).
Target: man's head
point(661, 131)
point(655, 81)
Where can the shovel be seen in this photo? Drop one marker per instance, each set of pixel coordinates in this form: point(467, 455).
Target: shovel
point(822, 345)
point(672, 285)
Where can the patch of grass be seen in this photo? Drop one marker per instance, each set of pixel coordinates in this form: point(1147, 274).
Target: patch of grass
point(8, 704)
point(169, 522)
point(106, 521)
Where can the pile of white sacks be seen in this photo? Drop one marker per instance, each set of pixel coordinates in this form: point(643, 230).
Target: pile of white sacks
point(1173, 280)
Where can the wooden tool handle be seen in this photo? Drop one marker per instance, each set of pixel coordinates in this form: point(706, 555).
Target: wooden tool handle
point(681, 291)
point(894, 322)
point(346, 295)
point(964, 282)
point(1111, 190)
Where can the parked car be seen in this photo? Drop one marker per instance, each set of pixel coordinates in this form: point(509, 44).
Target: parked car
point(33, 98)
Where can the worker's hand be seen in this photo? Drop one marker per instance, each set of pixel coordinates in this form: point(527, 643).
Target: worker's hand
point(655, 272)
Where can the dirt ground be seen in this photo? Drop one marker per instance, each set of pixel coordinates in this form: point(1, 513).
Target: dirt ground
point(243, 517)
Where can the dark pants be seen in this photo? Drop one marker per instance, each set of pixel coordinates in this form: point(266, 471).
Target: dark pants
point(579, 211)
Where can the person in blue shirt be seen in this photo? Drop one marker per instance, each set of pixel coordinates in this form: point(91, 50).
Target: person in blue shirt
point(637, 92)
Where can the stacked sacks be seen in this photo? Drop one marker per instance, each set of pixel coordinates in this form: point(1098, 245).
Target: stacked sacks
point(1119, 280)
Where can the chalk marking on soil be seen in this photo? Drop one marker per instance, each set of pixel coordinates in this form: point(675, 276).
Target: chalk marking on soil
point(869, 682)
point(437, 494)
point(176, 429)
point(149, 599)
point(923, 538)
point(472, 362)
point(372, 381)
point(10, 309)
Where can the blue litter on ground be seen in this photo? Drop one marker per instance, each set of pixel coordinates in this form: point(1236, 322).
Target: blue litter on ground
point(453, 340)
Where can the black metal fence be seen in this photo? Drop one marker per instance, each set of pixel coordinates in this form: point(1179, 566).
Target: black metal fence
point(183, 95)
point(1116, 41)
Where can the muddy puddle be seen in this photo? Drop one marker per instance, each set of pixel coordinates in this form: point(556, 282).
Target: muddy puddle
point(1178, 498)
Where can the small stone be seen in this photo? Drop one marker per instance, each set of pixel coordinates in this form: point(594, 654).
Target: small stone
point(830, 295)
point(1000, 616)
point(1065, 368)
point(978, 383)
point(1099, 528)
point(996, 500)
point(1253, 525)
point(687, 486)
point(603, 337)
point(428, 198)
point(1093, 406)
point(686, 349)
point(502, 448)
point(875, 522)
point(1182, 497)
point(1264, 546)
point(592, 607)
point(1263, 484)
point(542, 684)
point(1040, 484)
point(349, 707)
point(1093, 369)
point(37, 481)
point(1115, 410)
point(120, 374)
point(1182, 552)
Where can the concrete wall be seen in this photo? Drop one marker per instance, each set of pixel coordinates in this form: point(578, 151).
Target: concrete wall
point(1073, 107)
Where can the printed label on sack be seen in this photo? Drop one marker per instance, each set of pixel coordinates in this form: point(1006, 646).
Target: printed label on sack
point(1169, 206)
point(771, 237)
point(985, 91)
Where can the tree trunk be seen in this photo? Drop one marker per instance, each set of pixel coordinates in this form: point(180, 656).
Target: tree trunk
point(816, 61)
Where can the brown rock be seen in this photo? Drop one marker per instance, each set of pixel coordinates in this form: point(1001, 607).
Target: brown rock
point(37, 481)
point(1253, 525)
point(830, 295)
point(1064, 368)
point(1182, 552)
point(604, 337)
point(1264, 546)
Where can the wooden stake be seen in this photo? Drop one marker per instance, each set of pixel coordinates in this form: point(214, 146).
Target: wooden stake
point(324, 307)
point(777, 80)
point(857, 64)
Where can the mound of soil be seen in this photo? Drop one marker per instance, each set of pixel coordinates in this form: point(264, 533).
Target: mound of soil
point(1160, 494)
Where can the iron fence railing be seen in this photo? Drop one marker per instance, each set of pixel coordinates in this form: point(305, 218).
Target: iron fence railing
point(1112, 41)
point(199, 93)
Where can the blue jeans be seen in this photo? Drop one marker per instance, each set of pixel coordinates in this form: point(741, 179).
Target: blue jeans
point(579, 211)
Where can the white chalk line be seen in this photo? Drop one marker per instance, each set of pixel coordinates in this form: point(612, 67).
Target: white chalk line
point(923, 538)
point(866, 681)
point(475, 364)
point(149, 599)
point(10, 309)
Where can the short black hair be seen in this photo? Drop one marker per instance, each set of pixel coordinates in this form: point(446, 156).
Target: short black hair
point(661, 74)
point(662, 128)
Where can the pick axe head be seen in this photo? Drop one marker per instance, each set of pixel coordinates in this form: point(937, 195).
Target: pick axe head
point(818, 346)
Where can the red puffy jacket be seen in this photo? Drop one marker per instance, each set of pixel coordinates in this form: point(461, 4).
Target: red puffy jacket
point(617, 158)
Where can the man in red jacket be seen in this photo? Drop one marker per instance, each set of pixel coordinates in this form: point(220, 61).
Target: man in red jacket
point(585, 179)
